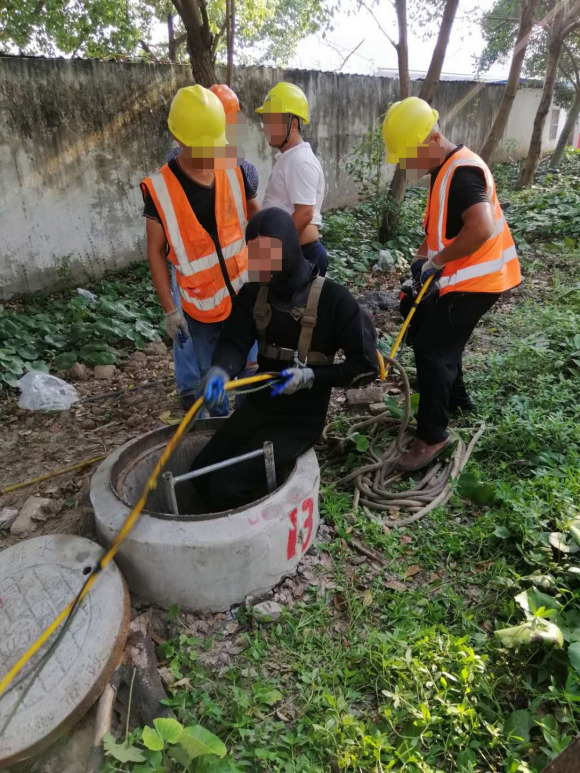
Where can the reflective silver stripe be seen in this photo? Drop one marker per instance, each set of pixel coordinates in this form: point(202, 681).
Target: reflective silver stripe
point(498, 230)
point(200, 264)
point(239, 195)
point(233, 248)
point(207, 304)
point(445, 184)
point(480, 269)
point(174, 235)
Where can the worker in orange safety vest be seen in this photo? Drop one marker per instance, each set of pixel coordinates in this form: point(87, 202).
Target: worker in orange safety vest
point(468, 249)
point(197, 209)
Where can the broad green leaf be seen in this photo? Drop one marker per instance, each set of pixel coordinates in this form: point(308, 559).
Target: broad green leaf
point(146, 330)
point(168, 728)
point(532, 599)
point(27, 353)
point(123, 752)
point(9, 379)
point(574, 656)
point(198, 741)
point(502, 532)
point(574, 529)
point(7, 354)
point(560, 542)
point(538, 630)
point(210, 764)
point(392, 406)
point(100, 358)
point(16, 367)
point(518, 725)
point(270, 697)
point(37, 365)
point(362, 443)
point(469, 487)
point(56, 340)
point(152, 740)
point(64, 361)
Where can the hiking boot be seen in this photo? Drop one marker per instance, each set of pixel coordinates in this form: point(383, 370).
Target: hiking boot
point(421, 454)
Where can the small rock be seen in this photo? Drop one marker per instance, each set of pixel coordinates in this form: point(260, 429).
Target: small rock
point(361, 398)
point(104, 372)
point(394, 391)
point(34, 509)
point(88, 424)
point(7, 517)
point(157, 348)
point(267, 612)
point(78, 372)
point(376, 301)
point(134, 421)
point(139, 358)
point(375, 409)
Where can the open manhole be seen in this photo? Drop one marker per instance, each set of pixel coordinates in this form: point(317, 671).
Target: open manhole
point(201, 561)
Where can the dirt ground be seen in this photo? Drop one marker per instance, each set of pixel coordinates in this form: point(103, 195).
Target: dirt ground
point(140, 396)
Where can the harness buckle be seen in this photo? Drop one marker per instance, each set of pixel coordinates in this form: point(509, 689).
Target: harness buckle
point(297, 363)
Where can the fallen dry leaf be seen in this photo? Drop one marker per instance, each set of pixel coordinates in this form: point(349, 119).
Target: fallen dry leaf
point(367, 598)
point(395, 585)
point(406, 539)
point(412, 571)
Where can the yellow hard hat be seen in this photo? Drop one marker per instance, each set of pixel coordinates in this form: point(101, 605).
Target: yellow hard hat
point(286, 98)
point(197, 118)
point(407, 125)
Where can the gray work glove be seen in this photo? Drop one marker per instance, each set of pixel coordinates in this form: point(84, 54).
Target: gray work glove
point(430, 268)
point(176, 326)
point(295, 379)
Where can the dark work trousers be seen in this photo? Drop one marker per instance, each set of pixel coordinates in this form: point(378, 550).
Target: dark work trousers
point(246, 430)
point(315, 253)
point(438, 345)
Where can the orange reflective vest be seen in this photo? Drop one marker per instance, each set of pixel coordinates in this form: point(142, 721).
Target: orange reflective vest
point(495, 267)
point(202, 285)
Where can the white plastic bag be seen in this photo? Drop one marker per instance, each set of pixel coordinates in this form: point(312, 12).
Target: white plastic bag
point(43, 392)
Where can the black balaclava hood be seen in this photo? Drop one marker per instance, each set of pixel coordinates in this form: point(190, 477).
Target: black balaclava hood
point(296, 270)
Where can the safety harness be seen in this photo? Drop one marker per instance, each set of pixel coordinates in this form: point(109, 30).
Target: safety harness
point(307, 316)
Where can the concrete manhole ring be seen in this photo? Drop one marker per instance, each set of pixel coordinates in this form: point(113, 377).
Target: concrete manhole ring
point(38, 578)
point(208, 564)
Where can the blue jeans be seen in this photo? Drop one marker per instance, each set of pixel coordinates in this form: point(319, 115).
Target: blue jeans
point(193, 359)
point(316, 255)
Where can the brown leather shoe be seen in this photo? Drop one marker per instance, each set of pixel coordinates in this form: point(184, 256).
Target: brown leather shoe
point(421, 454)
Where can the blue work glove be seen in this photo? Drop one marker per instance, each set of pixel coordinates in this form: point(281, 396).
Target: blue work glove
point(416, 268)
point(213, 387)
point(430, 268)
point(295, 379)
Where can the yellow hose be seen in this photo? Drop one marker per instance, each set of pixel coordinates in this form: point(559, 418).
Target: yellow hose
point(49, 475)
point(125, 529)
point(150, 485)
point(405, 325)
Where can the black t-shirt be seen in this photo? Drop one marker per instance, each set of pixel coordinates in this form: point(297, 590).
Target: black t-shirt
point(200, 197)
point(466, 189)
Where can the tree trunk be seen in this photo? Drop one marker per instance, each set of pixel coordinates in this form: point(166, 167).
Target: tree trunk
point(571, 119)
point(392, 211)
point(527, 15)
point(431, 81)
point(230, 20)
point(193, 13)
point(171, 38)
point(396, 193)
point(535, 151)
point(403, 49)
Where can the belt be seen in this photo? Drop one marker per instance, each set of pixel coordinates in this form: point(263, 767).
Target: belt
point(275, 352)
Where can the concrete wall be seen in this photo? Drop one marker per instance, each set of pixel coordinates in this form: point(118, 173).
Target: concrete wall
point(78, 136)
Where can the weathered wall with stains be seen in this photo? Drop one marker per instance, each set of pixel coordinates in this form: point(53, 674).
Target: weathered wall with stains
point(77, 137)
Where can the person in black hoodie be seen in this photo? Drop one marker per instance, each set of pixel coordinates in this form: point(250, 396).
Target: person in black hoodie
point(292, 415)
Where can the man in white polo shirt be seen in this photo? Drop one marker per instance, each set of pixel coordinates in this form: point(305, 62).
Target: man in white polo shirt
point(296, 184)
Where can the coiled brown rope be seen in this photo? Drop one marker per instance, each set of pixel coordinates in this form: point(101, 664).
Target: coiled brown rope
point(378, 481)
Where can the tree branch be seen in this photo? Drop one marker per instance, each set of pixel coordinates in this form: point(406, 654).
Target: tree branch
point(348, 56)
point(573, 62)
point(571, 20)
point(379, 25)
point(180, 39)
point(218, 36)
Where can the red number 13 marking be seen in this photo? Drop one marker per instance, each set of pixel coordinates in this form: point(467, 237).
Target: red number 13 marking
point(308, 508)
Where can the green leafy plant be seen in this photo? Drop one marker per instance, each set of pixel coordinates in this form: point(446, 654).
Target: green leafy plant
point(167, 745)
point(55, 331)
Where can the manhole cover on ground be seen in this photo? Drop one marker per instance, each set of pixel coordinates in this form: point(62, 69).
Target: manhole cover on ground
point(38, 578)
